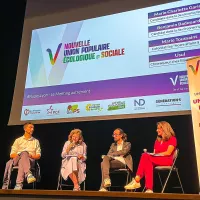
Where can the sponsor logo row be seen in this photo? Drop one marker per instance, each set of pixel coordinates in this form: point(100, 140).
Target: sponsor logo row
point(138, 104)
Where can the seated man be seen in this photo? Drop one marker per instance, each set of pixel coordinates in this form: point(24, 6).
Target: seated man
point(24, 152)
point(118, 157)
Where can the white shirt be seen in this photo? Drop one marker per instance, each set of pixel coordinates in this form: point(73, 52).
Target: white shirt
point(32, 146)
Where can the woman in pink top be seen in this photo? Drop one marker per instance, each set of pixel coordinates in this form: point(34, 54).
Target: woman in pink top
point(164, 148)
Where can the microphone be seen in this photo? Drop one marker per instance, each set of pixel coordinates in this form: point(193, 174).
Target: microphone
point(73, 144)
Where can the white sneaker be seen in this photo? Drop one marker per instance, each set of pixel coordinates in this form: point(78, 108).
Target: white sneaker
point(107, 182)
point(149, 191)
point(18, 186)
point(103, 190)
point(132, 185)
point(30, 179)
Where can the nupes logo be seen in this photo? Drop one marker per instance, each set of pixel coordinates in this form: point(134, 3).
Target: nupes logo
point(53, 59)
point(195, 70)
point(174, 81)
point(196, 101)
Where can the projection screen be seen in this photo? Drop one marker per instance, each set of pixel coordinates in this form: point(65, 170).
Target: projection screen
point(83, 65)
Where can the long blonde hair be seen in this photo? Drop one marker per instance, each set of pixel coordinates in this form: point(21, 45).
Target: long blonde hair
point(167, 130)
point(78, 132)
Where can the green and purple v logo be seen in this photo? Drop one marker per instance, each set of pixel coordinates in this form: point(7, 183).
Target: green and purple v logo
point(195, 71)
point(53, 59)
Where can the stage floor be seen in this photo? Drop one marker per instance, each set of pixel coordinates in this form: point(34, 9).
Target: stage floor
point(66, 194)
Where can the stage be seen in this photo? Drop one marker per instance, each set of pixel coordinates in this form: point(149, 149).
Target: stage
point(93, 195)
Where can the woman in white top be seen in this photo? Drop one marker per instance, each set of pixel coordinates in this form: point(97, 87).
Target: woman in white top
point(74, 156)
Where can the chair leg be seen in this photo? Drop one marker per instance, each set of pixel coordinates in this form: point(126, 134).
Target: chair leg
point(84, 186)
point(9, 178)
point(160, 179)
point(59, 182)
point(127, 179)
point(163, 189)
point(34, 185)
point(180, 181)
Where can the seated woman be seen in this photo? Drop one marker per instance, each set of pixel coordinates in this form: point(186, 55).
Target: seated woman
point(164, 148)
point(74, 156)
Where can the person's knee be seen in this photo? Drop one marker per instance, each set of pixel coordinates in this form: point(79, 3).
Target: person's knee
point(105, 158)
point(10, 162)
point(73, 159)
point(24, 154)
point(145, 156)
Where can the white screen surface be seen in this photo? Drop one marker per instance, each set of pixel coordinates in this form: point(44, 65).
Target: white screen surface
point(123, 64)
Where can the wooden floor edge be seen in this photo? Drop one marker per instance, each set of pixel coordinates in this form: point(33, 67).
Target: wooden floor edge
point(100, 194)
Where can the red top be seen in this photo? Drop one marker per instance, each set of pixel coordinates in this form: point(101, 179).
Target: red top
point(162, 146)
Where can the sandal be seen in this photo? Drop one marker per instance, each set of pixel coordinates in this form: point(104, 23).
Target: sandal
point(77, 189)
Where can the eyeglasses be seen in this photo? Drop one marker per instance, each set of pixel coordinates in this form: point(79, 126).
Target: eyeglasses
point(114, 135)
